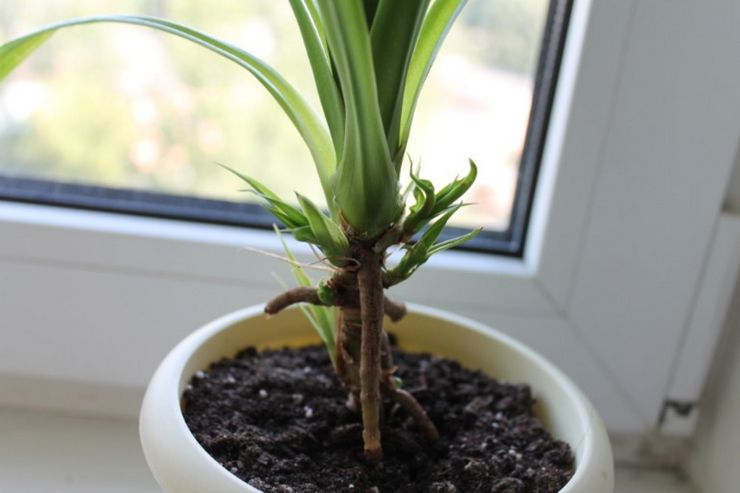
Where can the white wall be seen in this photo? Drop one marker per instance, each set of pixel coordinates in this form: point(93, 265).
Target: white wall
point(713, 465)
point(732, 200)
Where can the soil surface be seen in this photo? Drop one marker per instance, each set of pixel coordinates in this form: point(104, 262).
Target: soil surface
point(278, 420)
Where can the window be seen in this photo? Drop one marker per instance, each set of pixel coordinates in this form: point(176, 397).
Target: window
point(124, 119)
point(627, 240)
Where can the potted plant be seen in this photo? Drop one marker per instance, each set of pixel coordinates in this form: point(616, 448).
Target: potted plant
point(369, 61)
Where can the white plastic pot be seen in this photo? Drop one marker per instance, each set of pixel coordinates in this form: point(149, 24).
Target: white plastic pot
point(181, 465)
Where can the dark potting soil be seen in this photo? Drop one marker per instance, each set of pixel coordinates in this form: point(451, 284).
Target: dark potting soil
point(278, 420)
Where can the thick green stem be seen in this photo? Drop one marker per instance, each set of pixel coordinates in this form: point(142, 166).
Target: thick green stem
point(370, 284)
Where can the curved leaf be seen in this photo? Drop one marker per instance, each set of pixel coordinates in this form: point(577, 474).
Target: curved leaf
point(286, 213)
point(434, 29)
point(329, 237)
point(14, 52)
point(393, 35)
point(453, 191)
point(421, 211)
point(453, 242)
point(418, 253)
point(313, 40)
point(306, 121)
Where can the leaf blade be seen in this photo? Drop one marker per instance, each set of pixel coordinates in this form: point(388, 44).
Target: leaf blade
point(365, 173)
point(434, 29)
point(418, 253)
point(286, 213)
point(309, 125)
point(329, 236)
point(454, 190)
point(15, 52)
point(453, 242)
point(393, 36)
point(331, 102)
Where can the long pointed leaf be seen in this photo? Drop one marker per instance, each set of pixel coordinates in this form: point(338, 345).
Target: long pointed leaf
point(436, 25)
point(286, 213)
point(432, 233)
point(328, 235)
point(453, 191)
point(306, 121)
point(367, 182)
point(453, 242)
point(14, 52)
point(421, 211)
point(393, 36)
point(418, 253)
point(329, 95)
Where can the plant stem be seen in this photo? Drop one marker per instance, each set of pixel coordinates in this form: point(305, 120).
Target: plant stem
point(363, 358)
point(370, 284)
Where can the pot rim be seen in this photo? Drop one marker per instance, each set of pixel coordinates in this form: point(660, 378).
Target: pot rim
point(161, 414)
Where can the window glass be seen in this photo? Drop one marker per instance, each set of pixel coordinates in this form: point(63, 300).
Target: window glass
point(126, 107)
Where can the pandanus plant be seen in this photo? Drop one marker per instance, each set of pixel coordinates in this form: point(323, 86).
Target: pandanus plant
point(369, 60)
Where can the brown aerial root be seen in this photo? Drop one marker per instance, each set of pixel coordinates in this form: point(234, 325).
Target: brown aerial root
point(395, 310)
point(291, 297)
point(412, 406)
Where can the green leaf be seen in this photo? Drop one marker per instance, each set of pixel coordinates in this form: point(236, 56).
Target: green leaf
point(434, 29)
point(322, 318)
point(367, 184)
point(306, 121)
point(420, 212)
point(14, 52)
point(313, 40)
point(418, 253)
point(393, 36)
point(453, 191)
point(304, 234)
point(289, 215)
point(453, 242)
point(329, 236)
point(432, 233)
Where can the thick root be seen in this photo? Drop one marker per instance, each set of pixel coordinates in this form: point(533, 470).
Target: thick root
point(412, 406)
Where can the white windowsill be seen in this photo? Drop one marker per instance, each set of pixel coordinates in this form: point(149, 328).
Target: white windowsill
point(45, 452)
point(221, 235)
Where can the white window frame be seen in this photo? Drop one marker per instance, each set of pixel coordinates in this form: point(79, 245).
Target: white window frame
point(640, 145)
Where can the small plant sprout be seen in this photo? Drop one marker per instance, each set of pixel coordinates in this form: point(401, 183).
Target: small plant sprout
point(369, 60)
